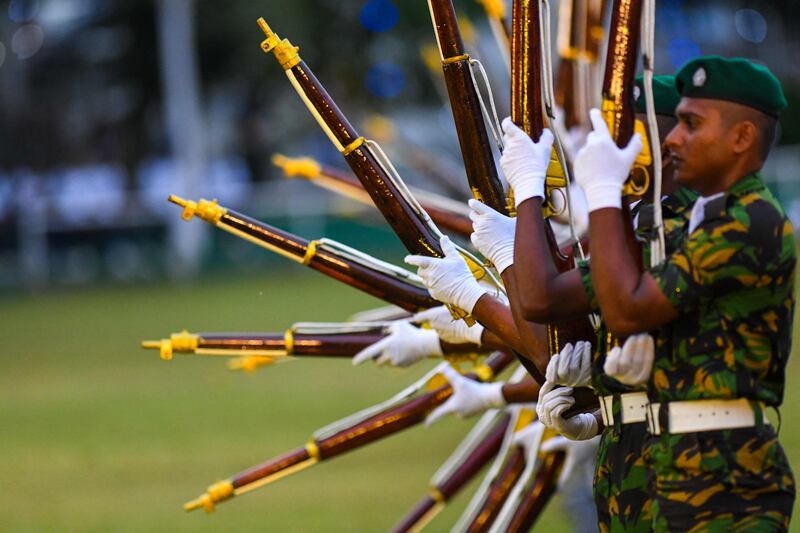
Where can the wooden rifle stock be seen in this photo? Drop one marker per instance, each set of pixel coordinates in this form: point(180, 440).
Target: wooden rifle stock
point(313, 341)
point(391, 284)
point(441, 209)
point(498, 492)
point(473, 138)
point(618, 100)
point(539, 493)
point(444, 491)
point(385, 423)
point(528, 114)
point(409, 225)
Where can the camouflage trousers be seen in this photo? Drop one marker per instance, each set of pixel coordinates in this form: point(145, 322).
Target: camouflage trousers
point(621, 490)
point(734, 480)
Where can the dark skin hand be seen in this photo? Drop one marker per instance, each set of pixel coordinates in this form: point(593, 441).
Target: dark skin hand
point(550, 295)
point(714, 145)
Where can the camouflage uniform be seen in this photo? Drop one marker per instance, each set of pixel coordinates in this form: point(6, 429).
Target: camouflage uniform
point(621, 491)
point(732, 281)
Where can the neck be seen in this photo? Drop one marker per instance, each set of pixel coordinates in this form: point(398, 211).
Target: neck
point(731, 178)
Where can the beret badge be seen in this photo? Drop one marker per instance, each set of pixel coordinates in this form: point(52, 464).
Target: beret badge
point(699, 77)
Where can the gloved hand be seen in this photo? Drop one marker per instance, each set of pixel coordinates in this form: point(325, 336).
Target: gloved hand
point(524, 162)
point(633, 363)
point(404, 346)
point(577, 452)
point(449, 279)
point(553, 402)
point(572, 366)
point(469, 397)
point(492, 234)
point(530, 438)
point(448, 329)
point(601, 168)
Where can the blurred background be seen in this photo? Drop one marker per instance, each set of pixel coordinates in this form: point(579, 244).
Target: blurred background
point(106, 108)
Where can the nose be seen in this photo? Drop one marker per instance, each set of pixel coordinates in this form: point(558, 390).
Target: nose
point(673, 138)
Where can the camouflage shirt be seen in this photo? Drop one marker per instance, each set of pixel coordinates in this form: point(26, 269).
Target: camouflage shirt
point(676, 209)
point(732, 283)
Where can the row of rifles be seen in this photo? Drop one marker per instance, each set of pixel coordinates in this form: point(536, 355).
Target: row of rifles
point(513, 493)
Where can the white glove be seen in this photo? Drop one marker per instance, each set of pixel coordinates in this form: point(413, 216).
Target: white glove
point(524, 162)
point(469, 397)
point(448, 329)
point(578, 453)
point(553, 402)
point(492, 234)
point(404, 346)
point(601, 168)
point(572, 366)
point(449, 279)
point(633, 363)
point(530, 438)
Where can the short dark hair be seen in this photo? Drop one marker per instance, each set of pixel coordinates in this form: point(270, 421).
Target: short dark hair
point(766, 127)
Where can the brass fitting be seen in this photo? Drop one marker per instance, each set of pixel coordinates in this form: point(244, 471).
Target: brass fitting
point(304, 167)
point(183, 342)
point(208, 211)
point(219, 491)
point(286, 53)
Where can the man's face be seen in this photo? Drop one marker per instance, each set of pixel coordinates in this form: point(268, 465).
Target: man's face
point(700, 144)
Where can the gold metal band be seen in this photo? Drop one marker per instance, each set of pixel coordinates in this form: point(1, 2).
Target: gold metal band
point(437, 495)
point(288, 341)
point(353, 146)
point(484, 372)
point(311, 251)
point(455, 59)
point(219, 491)
point(313, 450)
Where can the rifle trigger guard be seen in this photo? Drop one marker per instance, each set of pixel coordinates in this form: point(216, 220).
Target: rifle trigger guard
point(631, 188)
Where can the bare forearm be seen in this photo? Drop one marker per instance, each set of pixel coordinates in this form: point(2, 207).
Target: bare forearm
point(533, 335)
point(496, 317)
point(523, 392)
point(629, 298)
point(546, 295)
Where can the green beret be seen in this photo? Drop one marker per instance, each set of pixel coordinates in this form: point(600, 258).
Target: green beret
point(734, 80)
point(665, 95)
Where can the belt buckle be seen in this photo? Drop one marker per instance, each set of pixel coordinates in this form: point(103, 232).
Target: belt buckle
point(651, 415)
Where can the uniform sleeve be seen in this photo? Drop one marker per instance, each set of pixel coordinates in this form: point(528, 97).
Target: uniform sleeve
point(724, 254)
point(586, 279)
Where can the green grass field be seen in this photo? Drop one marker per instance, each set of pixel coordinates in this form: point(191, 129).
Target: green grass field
point(100, 435)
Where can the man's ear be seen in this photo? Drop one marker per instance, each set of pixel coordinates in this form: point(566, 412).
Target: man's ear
point(745, 136)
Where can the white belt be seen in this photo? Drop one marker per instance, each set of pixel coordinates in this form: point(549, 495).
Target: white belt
point(634, 408)
point(705, 415)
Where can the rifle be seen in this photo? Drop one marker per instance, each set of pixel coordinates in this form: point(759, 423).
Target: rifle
point(304, 339)
point(535, 496)
point(477, 449)
point(398, 413)
point(618, 102)
point(528, 113)
point(348, 265)
point(449, 214)
point(580, 33)
point(498, 22)
point(500, 480)
point(468, 108)
point(369, 163)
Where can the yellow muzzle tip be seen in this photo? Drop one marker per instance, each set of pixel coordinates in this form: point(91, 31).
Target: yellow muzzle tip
point(219, 491)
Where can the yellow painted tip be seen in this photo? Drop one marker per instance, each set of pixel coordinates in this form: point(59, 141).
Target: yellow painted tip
point(178, 200)
point(264, 26)
point(202, 502)
point(151, 345)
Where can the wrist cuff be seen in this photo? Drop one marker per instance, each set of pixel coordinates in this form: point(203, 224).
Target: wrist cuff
point(601, 194)
point(494, 394)
point(529, 189)
point(470, 297)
